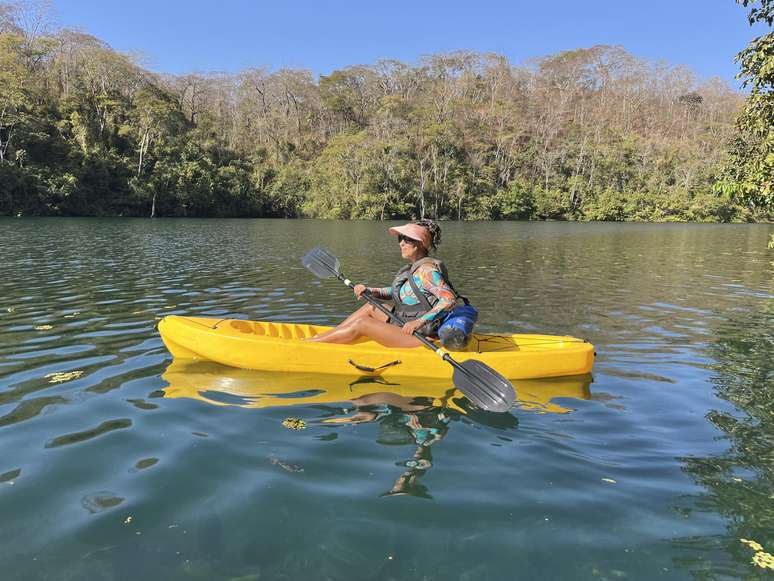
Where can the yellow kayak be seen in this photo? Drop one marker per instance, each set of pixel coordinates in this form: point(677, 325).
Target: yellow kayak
point(271, 346)
point(227, 386)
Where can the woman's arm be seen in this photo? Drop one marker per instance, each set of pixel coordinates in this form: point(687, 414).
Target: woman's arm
point(430, 279)
point(384, 293)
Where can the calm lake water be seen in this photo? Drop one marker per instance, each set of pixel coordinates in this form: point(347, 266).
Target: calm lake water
point(114, 465)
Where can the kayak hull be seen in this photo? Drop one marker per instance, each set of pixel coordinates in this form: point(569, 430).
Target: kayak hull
point(279, 347)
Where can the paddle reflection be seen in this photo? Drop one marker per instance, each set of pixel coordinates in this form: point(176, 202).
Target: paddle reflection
point(408, 411)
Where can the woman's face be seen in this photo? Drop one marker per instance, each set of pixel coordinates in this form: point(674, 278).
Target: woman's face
point(411, 249)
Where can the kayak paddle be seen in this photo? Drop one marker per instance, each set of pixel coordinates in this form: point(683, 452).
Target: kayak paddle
point(481, 384)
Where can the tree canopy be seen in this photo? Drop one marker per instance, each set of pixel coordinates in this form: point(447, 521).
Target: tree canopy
point(588, 134)
point(749, 175)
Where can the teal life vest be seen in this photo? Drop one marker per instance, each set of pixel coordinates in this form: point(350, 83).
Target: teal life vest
point(426, 299)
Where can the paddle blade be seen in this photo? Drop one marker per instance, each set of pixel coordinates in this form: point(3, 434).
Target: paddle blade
point(483, 386)
point(321, 262)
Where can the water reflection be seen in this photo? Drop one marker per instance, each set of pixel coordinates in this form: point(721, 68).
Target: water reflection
point(221, 385)
point(681, 414)
point(402, 421)
point(739, 483)
point(408, 411)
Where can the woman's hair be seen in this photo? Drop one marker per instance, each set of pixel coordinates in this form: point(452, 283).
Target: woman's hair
point(435, 231)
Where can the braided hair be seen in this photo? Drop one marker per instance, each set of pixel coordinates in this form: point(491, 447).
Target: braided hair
point(435, 231)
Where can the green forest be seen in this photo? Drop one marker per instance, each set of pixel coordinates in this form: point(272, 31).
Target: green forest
point(589, 134)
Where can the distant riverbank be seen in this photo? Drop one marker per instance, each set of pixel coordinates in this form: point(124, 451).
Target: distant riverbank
point(86, 131)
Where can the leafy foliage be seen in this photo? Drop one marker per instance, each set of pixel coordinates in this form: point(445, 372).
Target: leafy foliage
point(764, 13)
point(589, 134)
point(740, 480)
point(750, 173)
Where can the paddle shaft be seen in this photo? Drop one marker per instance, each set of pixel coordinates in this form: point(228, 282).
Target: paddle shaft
point(424, 340)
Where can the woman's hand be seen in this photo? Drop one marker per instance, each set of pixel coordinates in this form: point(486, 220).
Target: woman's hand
point(412, 326)
point(359, 290)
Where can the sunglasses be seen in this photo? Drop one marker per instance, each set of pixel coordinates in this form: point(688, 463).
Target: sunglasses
point(402, 238)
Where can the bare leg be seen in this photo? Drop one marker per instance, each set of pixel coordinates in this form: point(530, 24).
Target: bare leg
point(364, 311)
point(380, 331)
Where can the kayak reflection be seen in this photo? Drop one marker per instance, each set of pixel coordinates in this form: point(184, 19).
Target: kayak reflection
point(413, 412)
point(221, 385)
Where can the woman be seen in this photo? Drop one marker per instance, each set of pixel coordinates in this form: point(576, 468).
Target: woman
point(421, 295)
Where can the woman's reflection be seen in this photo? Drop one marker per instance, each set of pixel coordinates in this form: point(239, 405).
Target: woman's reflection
point(415, 421)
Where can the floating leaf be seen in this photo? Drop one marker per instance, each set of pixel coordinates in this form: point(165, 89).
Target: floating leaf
point(286, 466)
point(61, 377)
point(294, 423)
point(763, 560)
point(752, 544)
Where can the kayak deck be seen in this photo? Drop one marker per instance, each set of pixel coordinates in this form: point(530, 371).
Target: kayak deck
point(274, 346)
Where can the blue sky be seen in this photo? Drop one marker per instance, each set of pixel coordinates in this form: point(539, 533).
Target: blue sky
point(182, 36)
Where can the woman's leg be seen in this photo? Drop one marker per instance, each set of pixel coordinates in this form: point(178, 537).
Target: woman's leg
point(380, 331)
point(366, 310)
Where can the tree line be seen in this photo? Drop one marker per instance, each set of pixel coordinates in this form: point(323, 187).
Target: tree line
point(749, 172)
point(588, 134)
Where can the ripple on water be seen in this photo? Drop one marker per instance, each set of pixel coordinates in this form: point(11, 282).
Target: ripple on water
point(76, 437)
point(145, 463)
point(607, 485)
point(100, 501)
point(10, 476)
point(30, 408)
